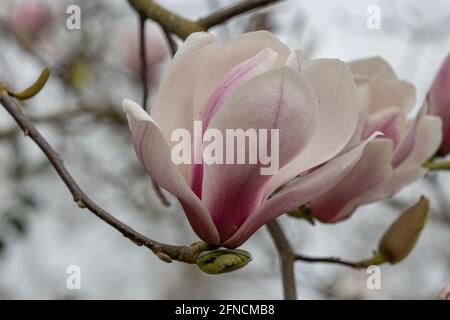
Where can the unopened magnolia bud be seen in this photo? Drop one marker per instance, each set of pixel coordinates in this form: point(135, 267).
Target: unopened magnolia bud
point(401, 237)
point(444, 294)
point(222, 260)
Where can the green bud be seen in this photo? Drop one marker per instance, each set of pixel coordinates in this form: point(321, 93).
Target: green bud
point(222, 260)
point(401, 237)
point(35, 88)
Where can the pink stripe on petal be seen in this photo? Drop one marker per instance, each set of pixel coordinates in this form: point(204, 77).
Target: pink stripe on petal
point(279, 99)
point(260, 63)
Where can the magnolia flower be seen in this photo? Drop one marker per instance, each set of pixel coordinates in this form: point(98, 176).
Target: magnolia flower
point(252, 81)
point(439, 101)
point(385, 102)
point(29, 19)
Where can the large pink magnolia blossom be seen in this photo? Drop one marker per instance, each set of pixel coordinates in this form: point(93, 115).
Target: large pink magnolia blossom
point(439, 102)
point(252, 81)
point(385, 103)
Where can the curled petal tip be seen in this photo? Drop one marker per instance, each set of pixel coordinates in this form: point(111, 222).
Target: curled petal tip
point(135, 111)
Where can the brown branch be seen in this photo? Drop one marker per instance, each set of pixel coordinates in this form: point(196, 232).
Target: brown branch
point(333, 260)
point(287, 259)
point(143, 56)
point(183, 27)
point(225, 14)
point(170, 21)
point(144, 82)
point(163, 251)
point(171, 41)
point(107, 113)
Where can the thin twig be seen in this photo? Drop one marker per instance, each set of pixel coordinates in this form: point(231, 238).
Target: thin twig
point(171, 41)
point(106, 113)
point(144, 82)
point(225, 14)
point(287, 259)
point(143, 54)
point(356, 265)
point(164, 251)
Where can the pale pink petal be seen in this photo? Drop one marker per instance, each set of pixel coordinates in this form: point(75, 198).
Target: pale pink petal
point(295, 60)
point(427, 141)
point(154, 153)
point(338, 114)
point(173, 104)
point(419, 146)
point(386, 89)
point(392, 93)
point(364, 103)
point(357, 188)
point(279, 99)
point(299, 193)
point(371, 70)
point(226, 57)
point(390, 121)
point(439, 100)
point(423, 141)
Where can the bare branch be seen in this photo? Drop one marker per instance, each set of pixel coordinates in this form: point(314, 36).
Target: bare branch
point(356, 265)
point(164, 251)
point(143, 56)
point(171, 41)
point(170, 21)
point(223, 15)
point(287, 259)
point(183, 27)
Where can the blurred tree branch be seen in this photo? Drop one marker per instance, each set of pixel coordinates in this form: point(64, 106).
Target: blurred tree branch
point(103, 113)
point(163, 251)
point(182, 27)
point(225, 14)
point(287, 259)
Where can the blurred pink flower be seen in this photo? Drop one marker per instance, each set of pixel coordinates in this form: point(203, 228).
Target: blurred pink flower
point(157, 50)
point(29, 19)
point(385, 102)
point(444, 294)
point(439, 101)
point(252, 81)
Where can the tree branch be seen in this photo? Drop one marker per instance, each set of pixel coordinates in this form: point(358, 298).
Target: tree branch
point(163, 251)
point(225, 14)
point(183, 27)
point(168, 20)
point(287, 259)
point(143, 56)
point(171, 41)
point(356, 265)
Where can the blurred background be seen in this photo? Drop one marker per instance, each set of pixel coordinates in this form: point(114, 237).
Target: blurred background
point(42, 232)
